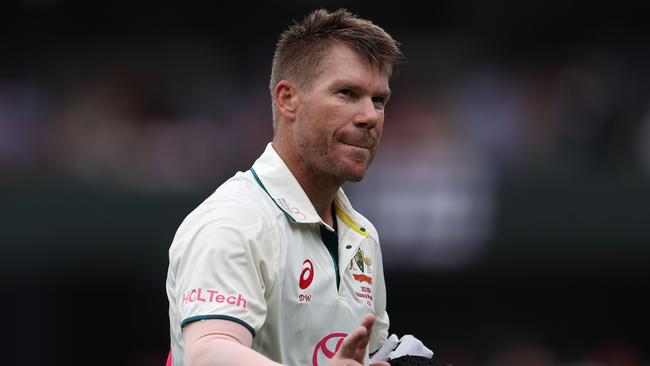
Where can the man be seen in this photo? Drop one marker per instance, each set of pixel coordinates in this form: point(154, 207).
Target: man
point(276, 267)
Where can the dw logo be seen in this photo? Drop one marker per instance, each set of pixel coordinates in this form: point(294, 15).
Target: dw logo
point(327, 347)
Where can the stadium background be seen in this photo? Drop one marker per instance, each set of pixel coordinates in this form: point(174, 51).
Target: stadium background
point(511, 188)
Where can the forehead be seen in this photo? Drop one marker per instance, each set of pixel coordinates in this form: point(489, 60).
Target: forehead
point(342, 64)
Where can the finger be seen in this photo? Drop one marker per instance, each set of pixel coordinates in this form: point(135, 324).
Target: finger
point(352, 342)
point(368, 321)
point(380, 363)
point(354, 345)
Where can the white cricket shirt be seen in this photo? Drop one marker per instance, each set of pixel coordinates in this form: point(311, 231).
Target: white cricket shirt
point(253, 253)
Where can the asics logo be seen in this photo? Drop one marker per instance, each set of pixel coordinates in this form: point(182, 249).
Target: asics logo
point(307, 274)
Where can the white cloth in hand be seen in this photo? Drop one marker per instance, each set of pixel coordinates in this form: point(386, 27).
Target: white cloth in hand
point(411, 346)
point(386, 348)
point(407, 345)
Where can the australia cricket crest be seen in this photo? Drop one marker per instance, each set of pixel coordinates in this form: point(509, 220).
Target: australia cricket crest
point(360, 267)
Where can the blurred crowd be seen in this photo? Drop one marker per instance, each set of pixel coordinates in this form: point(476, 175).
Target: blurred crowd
point(183, 115)
point(174, 116)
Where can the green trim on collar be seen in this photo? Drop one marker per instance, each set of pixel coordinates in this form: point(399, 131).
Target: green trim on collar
point(331, 241)
point(257, 179)
point(224, 317)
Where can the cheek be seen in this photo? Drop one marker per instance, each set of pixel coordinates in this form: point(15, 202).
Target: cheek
point(380, 126)
point(314, 114)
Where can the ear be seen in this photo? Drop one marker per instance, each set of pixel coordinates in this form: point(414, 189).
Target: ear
point(286, 97)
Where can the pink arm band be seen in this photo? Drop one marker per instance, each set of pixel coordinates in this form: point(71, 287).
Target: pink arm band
point(215, 342)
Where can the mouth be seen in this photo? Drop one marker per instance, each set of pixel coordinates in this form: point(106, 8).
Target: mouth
point(358, 146)
point(368, 145)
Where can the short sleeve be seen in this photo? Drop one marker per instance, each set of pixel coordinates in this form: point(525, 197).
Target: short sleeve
point(224, 261)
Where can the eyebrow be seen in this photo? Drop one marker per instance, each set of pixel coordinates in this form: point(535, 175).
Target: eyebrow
point(339, 84)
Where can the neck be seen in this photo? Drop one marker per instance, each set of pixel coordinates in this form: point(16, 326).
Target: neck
point(321, 194)
point(320, 188)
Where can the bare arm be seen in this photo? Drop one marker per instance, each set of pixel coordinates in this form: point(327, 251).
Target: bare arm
point(217, 342)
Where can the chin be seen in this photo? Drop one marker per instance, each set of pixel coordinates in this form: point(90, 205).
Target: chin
point(354, 174)
point(354, 178)
point(351, 170)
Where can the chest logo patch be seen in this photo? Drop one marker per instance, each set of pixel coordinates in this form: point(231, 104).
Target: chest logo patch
point(360, 269)
point(306, 278)
point(307, 274)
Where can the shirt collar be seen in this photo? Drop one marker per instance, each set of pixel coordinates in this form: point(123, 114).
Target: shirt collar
point(273, 175)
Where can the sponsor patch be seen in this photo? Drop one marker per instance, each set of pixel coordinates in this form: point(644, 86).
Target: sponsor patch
point(213, 296)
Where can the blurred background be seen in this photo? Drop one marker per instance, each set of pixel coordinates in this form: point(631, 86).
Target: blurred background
point(511, 190)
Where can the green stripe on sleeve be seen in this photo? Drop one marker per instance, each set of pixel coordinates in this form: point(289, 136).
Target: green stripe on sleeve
point(224, 317)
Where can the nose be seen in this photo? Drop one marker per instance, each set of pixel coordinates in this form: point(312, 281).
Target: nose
point(367, 115)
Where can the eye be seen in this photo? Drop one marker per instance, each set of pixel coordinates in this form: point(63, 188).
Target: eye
point(379, 102)
point(346, 93)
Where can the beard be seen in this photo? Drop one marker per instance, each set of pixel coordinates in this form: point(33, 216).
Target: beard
point(325, 157)
point(337, 155)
